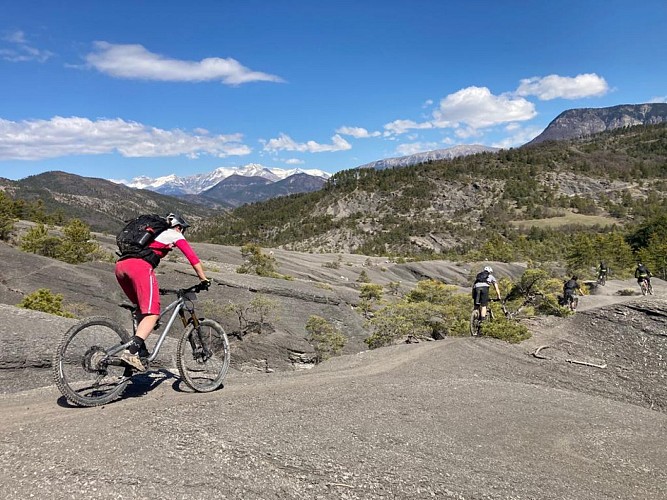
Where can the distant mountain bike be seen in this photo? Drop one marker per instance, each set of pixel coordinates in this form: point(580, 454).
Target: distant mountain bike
point(87, 365)
point(571, 301)
point(602, 279)
point(646, 287)
point(476, 316)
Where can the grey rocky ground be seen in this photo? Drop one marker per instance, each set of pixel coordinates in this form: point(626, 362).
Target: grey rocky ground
point(460, 418)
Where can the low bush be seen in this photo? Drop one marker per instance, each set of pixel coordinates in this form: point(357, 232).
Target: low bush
point(45, 300)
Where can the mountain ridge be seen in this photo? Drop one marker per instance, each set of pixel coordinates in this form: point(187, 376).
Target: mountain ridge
point(581, 122)
point(426, 156)
point(195, 184)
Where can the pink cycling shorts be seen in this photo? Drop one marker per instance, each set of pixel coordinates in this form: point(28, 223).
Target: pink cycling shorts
point(137, 279)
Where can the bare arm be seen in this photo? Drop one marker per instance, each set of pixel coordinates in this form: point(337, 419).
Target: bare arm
point(199, 269)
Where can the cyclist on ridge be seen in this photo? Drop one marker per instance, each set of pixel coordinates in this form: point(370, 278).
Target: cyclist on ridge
point(570, 289)
point(480, 290)
point(603, 271)
point(136, 277)
point(642, 273)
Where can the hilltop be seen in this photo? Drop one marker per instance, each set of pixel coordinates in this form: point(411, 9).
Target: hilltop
point(445, 207)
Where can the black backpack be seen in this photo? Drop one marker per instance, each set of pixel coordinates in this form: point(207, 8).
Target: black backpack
point(482, 277)
point(134, 238)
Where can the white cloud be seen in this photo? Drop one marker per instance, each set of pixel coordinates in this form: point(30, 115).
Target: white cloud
point(21, 50)
point(294, 161)
point(554, 86)
point(658, 99)
point(469, 109)
point(61, 136)
point(135, 62)
point(357, 132)
point(519, 137)
point(398, 127)
point(467, 132)
point(479, 108)
point(285, 143)
point(415, 147)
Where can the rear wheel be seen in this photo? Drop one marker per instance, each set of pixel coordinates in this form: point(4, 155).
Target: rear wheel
point(644, 287)
point(573, 302)
point(82, 368)
point(203, 356)
point(475, 323)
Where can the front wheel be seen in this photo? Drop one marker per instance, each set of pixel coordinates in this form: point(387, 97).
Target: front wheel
point(203, 356)
point(83, 370)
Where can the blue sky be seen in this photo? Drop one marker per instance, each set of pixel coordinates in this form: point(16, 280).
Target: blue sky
point(126, 88)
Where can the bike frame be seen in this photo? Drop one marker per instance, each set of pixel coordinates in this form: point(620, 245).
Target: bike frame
point(177, 307)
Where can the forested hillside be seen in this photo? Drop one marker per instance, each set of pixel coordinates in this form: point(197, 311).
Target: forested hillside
point(517, 204)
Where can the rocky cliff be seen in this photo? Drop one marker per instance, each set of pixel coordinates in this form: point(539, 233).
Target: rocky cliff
point(575, 123)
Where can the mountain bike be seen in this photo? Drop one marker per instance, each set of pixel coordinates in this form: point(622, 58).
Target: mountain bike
point(87, 365)
point(476, 316)
point(602, 279)
point(646, 287)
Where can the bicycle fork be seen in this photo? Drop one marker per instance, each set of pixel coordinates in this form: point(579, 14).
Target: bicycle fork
point(200, 351)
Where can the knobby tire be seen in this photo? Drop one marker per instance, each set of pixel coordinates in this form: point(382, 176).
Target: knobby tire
point(475, 324)
point(78, 364)
point(200, 375)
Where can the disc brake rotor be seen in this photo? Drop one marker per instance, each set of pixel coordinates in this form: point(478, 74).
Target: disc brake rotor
point(92, 359)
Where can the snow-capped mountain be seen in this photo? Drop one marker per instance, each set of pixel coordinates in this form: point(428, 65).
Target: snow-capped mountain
point(436, 154)
point(195, 184)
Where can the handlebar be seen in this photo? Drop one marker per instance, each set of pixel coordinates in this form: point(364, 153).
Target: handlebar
point(182, 291)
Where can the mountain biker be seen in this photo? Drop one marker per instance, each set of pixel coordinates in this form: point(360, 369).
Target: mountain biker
point(642, 273)
point(570, 289)
point(136, 276)
point(480, 290)
point(603, 270)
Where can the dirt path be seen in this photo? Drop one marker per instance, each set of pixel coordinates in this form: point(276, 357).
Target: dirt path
point(432, 420)
point(461, 418)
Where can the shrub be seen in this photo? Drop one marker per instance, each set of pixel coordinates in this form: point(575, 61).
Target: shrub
point(327, 340)
point(7, 218)
point(504, 329)
point(363, 277)
point(77, 245)
point(46, 301)
point(37, 240)
point(253, 315)
point(259, 263)
point(431, 291)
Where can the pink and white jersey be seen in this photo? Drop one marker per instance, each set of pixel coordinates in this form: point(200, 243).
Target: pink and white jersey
point(169, 239)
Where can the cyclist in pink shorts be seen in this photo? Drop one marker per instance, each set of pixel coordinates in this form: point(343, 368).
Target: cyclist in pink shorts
point(136, 277)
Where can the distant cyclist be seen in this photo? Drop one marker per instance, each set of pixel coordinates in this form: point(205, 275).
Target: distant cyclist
point(570, 289)
point(643, 274)
point(480, 290)
point(603, 272)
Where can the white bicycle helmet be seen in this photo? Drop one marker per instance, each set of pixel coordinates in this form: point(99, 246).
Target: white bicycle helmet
point(488, 269)
point(177, 220)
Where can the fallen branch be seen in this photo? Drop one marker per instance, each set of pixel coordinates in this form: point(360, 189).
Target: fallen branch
point(586, 363)
point(537, 352)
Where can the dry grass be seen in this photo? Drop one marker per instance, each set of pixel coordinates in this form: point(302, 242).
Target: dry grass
point(567, 220)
